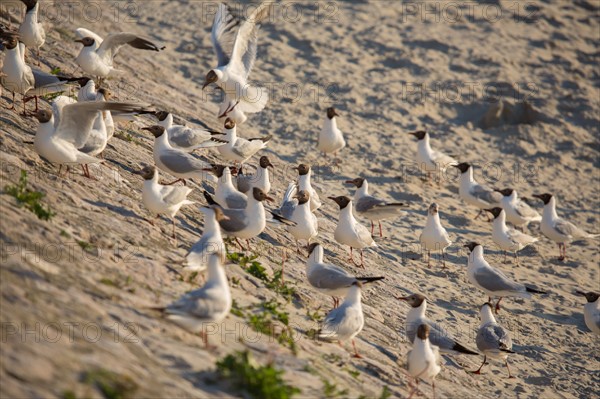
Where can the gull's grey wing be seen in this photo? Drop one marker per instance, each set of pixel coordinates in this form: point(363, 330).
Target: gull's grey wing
point(486, 194)
point(492, 336)
point(221, 34)
point(567, 228)
point(330, 278)
point(243, 183)
point(237, 220)
point(200, 304)
point(340, 321)
point(525, 211)
point(236, 201)
point(289, 203)
point(173, 195)
point(180, 162)
point(187, 137)
point(494, 280)
point(113, 43)
point(246, 148)
point(367, 203)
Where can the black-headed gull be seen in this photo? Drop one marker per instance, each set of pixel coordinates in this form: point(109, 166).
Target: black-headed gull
point(160, 199)
point(491, 280)
point(474, 193)
point(423, 360)
point(591, 310)
point(347, 320)
point(97, 55)
point(328, 278)
point(210, 243)
point(238, 149)
point(296, 207)
point(429, 160)
point(439, 336)
point(492, 339)
point(261, 179)
point(372, 208)
point(508, 239)
point(31, 31)
point(233, 68)
point(349, 232)
point(518, 212)
point(558, 229)
point(186, 138)
point(331, 139)
point(207, 305)
point(304, 183)
point(226, 194)
point(434, 236)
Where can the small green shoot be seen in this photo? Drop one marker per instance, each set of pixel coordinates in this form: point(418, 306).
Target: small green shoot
point(29, 199)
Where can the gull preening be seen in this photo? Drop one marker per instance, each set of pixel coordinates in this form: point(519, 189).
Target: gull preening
point(558, 229)
point(160, 199)
point(233, 68)
point(372, 208)
point(474, 193)
point(591, 310)
point(492, 339)
point(423, 360)
point(518, 212)
point(434, 236)
point(349, 232)
point(347, 320)
point(97, 55)
point(429, 160)
point(508, 239)
point(328, 278)
point(439, 336)
point(209, 304)
point(491, 280)
point(331, 139)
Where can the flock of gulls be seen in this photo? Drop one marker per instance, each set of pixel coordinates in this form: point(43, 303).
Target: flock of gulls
point(75, 131)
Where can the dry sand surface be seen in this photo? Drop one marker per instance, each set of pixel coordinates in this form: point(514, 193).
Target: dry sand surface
point(509, 86)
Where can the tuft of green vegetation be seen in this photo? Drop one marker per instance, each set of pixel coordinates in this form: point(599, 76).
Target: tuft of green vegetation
point(254, 268)
point(192, 277)
point(50, 97)
point(55, 71)
point(86, 246)
point(29, 199)
point(69, 395)
point(264, 382)
point(353, 373)
point(385, 393)
point(111, 384)
point(330, 390)
point(126, 137)
point(267, 318)
point(64, 234)
point(314, 316)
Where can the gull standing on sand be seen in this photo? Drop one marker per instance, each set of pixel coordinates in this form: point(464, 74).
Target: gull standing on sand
point(492, 339)
point(434, 236)
point(97, 55)
point(226, 194)
point(474, 193)
point(423, 359)
point(209, 304)
point(304, 183)
point(439, 337)
point(331, 139)
point(428, 159)
point(518, 212)
point(491, 280)
point(238, 149)
point(244, 223)
point(372, 208)
point(233, 68)
point(186, 138)
point(211, 242)
point(558, 229)
point(162, 200)
point(591, 310)
point(60, 144)
point(508, 239)
point(328, 278)
point(174, 161)
point(346, 321)
point(349, 232)
point(296, 207)
point(260, 180)
point(31, 31)
point(21, 78)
